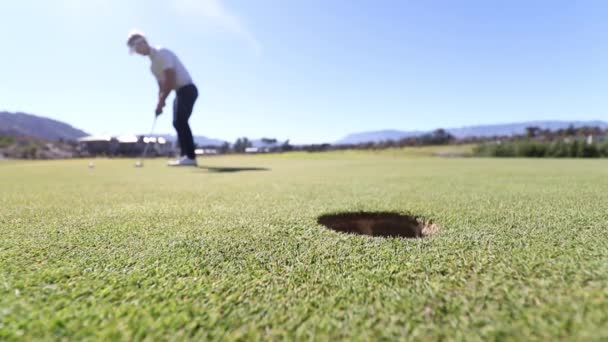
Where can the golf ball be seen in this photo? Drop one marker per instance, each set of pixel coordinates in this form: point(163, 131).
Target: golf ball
point(91, 165)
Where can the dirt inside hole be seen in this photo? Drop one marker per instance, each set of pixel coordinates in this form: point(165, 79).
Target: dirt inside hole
point(379, 224)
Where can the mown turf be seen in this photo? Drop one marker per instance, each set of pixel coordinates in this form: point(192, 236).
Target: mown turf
point(117, 252)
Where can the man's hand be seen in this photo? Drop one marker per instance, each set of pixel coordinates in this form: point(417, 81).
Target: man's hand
point(159, 108)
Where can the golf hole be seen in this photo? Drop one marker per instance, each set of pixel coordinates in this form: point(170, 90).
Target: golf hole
point(379, 224)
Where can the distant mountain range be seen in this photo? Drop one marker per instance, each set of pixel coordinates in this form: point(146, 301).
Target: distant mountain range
point(33, 126)
point(467, 132)
point(377, 136)
point(22, 124)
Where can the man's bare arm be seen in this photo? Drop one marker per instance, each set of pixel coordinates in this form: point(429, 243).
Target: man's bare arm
point(165, 89)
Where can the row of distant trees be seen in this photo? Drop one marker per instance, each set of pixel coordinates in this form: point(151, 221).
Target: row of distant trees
point(242, 144)
point(571, 131)
point(6, 140)
point(543, 149)
point(581, 142)
point(30, 148)
point(437, 137)
point(535, 142)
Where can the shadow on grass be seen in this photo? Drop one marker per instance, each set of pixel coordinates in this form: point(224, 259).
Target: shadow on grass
point(231, 169)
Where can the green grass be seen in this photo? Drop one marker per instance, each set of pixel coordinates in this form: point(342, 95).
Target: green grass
point(411, 152)
point(122, 253)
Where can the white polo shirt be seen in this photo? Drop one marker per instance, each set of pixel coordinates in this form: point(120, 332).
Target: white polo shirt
point(163, 59)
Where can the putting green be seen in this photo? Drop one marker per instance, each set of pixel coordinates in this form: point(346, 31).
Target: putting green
point(233, 249)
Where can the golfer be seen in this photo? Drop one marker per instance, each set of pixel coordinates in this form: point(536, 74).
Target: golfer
point(171, 75)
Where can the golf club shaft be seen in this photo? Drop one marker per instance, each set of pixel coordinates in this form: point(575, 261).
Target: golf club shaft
point(148, 144)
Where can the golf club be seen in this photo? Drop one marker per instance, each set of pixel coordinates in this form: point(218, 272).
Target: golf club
point(140, 163)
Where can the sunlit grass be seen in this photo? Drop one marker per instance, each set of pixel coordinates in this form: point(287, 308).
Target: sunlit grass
point(117, 252)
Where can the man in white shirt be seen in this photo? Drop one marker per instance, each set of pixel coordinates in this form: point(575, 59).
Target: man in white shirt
point(171, 75)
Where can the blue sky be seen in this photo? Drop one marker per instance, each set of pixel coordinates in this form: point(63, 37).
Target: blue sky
point(309, 71)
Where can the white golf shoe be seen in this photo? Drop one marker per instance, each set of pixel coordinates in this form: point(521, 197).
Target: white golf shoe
point(184, 161)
